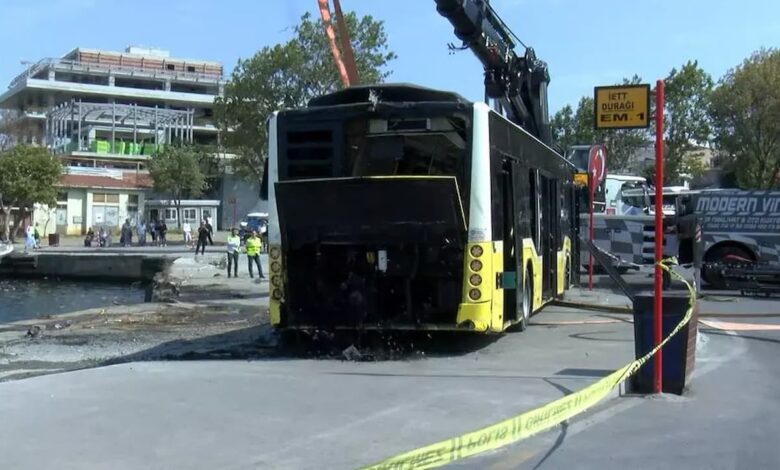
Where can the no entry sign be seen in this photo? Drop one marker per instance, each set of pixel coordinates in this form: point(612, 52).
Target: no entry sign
point(597, 164)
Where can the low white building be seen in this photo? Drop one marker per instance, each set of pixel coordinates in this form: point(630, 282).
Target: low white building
point(192, 211)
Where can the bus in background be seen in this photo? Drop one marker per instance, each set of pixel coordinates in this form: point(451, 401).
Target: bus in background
point(401, 207)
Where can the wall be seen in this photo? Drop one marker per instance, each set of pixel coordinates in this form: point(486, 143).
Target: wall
point(247, 197)
point(105, 266)
point(46, 218)
point(77, 207)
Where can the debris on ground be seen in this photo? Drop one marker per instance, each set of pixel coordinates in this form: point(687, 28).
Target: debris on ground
point(352, 353)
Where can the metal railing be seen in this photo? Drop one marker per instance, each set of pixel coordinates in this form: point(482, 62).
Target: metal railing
point(77, 65)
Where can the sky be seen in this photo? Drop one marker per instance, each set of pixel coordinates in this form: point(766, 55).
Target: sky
point(585, 42)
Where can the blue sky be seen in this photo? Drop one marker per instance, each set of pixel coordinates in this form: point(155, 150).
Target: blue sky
point(585, 42)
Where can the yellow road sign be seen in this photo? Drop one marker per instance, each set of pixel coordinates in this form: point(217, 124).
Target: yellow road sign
point(622, 106)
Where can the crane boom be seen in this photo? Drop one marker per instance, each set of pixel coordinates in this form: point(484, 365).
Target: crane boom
point(340, 45)
point(517, 83)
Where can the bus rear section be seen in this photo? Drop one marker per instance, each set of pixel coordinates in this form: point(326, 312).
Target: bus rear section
point(398, 214)
point(372, 251)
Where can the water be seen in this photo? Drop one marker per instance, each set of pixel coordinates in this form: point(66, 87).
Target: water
point(22, 299)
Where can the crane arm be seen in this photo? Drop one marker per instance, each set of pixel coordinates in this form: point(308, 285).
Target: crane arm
point(518, 83)
point(345, 61)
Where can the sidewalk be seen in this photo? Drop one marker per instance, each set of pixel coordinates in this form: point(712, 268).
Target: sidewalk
point(75, 243)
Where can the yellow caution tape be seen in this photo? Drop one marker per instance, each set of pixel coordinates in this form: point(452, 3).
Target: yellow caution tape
point(531, 422)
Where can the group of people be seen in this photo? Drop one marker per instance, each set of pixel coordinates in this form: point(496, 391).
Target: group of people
point(157, 230)
point(252, 246)
point(102, 237)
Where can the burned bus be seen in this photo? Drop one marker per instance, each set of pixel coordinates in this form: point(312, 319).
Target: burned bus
point(401, 207)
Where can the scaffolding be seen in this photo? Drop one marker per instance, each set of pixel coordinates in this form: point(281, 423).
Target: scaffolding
point(116, 129)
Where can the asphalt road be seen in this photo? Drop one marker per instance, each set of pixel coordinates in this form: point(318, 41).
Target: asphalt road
point(729, 419)
point(289, 412)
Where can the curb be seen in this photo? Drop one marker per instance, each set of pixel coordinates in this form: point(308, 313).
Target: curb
point(628, 310)
point(595, 307)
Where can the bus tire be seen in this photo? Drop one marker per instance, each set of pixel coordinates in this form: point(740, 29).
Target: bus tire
point(722, 254)
point(526, 302)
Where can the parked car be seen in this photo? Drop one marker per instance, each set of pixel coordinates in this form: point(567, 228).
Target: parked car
point(255, 221)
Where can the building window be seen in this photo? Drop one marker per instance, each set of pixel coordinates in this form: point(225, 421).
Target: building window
point(170, 214)
point(62, 197)
point(170, 66)
point(189, 215)
point(132, 208)
point(105, 198)
point(190, 68)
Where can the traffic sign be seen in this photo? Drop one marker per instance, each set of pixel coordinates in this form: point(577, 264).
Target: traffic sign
point(597, 164)
point(622, 107)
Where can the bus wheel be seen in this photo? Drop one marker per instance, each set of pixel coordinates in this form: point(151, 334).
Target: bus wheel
point(527, 299)
point(722, 255)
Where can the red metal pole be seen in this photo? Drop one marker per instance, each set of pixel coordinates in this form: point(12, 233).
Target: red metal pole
point(659, 233)
point(590, 234)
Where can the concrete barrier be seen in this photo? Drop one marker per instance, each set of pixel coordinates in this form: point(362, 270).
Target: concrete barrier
point(108, 266)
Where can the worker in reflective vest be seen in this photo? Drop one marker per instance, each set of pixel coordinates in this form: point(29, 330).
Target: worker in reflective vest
point(253, 245)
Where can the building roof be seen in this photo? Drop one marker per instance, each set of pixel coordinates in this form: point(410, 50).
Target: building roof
point(184, 202)
point(152, 53)
point(128, 180)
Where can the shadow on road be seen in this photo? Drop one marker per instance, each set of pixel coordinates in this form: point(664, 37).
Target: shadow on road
point(263, 342)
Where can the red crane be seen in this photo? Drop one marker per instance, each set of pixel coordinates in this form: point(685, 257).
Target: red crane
point(340, 46)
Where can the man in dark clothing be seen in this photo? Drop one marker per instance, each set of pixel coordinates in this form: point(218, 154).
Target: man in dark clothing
point(162, 230)
point(203, 238)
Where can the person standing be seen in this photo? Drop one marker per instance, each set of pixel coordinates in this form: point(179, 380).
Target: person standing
point(186, 229)
point(162, 231)
point(153, 231)
point(37, 236)
point(127, 234)
point(211, 230)
point(203, 238)
point(253, 245)
point(29, 239)
point(141, 229)
point(233, 246)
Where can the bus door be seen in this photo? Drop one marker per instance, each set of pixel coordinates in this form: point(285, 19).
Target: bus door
point(512, 239)
point(549, 215)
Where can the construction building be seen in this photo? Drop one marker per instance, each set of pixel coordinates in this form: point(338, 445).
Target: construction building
point(106, 113)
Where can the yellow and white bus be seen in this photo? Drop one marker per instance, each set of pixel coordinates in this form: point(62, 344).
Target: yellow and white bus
point(401, 207)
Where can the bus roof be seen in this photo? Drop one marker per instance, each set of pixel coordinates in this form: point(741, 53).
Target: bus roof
point(392, 92)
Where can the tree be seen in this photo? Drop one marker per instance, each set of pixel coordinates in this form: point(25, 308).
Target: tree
point(745, 109)
point(28, 175)
point(176, 171)
point(686, 120)
point(578, 128)
point(287, 75)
